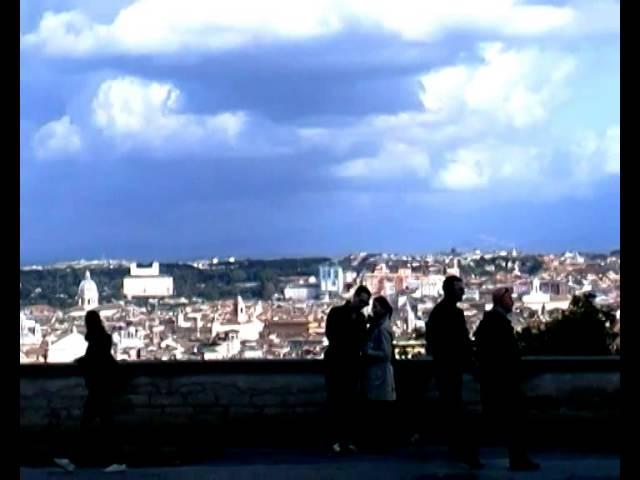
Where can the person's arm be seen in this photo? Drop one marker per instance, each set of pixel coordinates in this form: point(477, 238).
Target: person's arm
point(428, 332)
point(466, 342)
point(332, 329)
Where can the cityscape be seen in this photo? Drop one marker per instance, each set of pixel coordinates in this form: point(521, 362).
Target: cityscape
point(154, 316)
point(212, 192)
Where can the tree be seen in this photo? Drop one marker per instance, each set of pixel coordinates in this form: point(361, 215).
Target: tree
point(238, 276)
point(532, 265)
point(268, 290)
point(583, 329)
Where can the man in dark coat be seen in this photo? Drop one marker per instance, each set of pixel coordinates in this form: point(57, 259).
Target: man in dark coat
point(500, 376)
point(449, 344)
point(346, 331)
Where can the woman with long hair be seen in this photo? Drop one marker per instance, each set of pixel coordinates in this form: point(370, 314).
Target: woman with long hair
point(103, 381)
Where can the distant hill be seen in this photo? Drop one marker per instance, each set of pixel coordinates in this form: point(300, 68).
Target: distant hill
point(251, 278)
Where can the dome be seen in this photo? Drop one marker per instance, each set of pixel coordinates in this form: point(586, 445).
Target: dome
point(87, 287)
point(88, 292)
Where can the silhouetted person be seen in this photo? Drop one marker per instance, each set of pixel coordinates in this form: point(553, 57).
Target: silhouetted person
point(379, 382)
point(500, 376)
point(103, 382)
point(346, 332)
point(449, 344)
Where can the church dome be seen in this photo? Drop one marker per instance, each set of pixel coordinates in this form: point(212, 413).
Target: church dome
point(88, 292)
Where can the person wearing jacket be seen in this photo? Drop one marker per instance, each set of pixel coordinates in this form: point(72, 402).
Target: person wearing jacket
point(500, 377)
point(103, 382)
point(346, 331)
point(449, 343)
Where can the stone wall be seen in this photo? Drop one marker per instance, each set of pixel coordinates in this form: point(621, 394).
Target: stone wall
point(263, 398)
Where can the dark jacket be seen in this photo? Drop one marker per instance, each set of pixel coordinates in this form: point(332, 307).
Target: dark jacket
point(100, 370)
point(448, 339)
point(346, 331)
point(497, 350)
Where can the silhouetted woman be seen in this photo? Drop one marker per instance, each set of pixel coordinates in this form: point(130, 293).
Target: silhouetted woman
point(103, 381)
point(379, 382)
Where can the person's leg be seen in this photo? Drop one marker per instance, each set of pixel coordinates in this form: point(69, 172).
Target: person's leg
point(460, 437)
point(515, 429)
point(335, 407)
point(353, 408)
point(87, 449)
point(110, 446)
point(450, 396)
point(384, 425)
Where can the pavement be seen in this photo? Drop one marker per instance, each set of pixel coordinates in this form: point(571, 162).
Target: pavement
point(412, 463)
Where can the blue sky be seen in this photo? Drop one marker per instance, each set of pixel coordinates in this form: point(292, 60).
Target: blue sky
point(173, 130)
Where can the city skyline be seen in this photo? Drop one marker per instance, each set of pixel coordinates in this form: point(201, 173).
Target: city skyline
point(156, 130)
point(82, 262)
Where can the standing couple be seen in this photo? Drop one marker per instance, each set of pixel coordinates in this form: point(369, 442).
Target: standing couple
point(358, 368)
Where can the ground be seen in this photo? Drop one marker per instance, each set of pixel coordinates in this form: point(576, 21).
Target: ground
point(416, 463)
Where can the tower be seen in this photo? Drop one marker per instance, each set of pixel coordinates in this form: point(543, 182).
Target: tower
point(331, 278)
point(241, 311)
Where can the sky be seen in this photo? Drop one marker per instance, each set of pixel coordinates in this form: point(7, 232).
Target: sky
point(163, 129)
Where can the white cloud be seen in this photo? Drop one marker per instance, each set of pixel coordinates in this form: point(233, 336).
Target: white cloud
point(612, 150)
point(394, 159)
point(477, 166)
point(167, 26)
point(595, 17)
point(595, 155)
point(57, 139)
point(420, 20)
point(486, 125)
point(133, 108)
point(516, 86)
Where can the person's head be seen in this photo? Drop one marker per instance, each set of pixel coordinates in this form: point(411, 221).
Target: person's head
point(502, 298)
point(381, 308)
point(453, 288)
point(361, 298)
point(93, 323)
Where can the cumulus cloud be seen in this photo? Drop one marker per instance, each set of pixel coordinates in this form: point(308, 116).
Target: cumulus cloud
point(57, 139)
point(518, 86)
point(484, 125)
point(476, 166)
point(166, 26)
point(133, 108)
point(394, 159)
point(612, 149)
point(597, 154)
point(486, 117)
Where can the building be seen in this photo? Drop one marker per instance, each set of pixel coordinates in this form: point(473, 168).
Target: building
point(301, 292)
point(68, 348)
point(431, 286)
point(331, 279)
point(87, 293)
point(30, 331)
point(147, 282)
point(455, 270)
point(538, 299)
point(244, 328)
point(131, 337)
point(225, 345)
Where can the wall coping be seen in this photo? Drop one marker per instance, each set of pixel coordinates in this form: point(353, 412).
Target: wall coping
point(531, 365)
